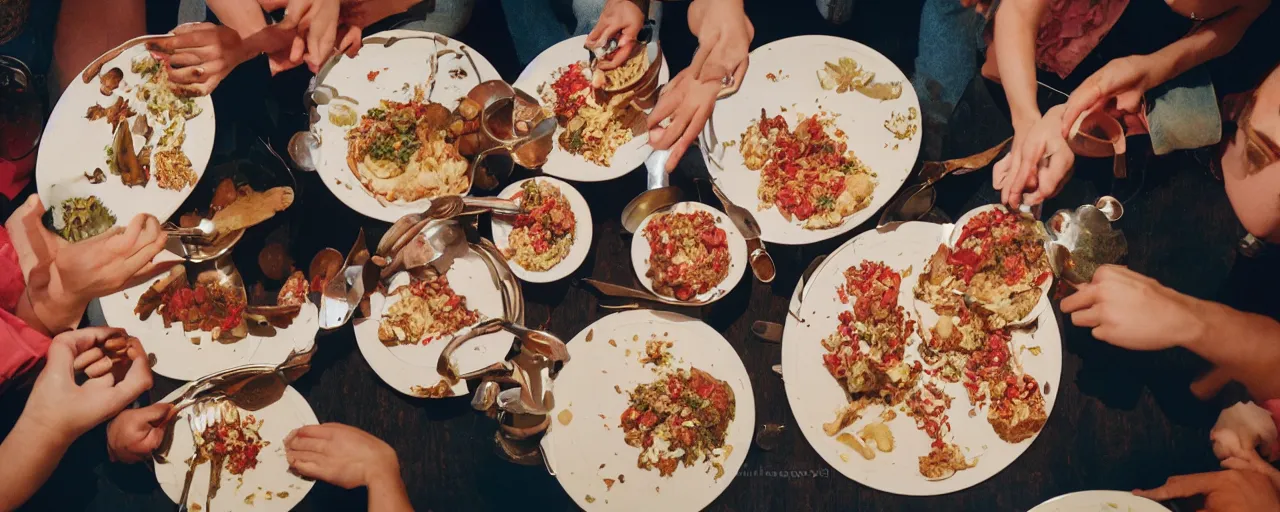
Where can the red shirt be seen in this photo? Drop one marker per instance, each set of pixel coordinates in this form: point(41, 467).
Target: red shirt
point(21, 347)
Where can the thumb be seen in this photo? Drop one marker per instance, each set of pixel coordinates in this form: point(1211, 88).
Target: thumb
point(154, 413)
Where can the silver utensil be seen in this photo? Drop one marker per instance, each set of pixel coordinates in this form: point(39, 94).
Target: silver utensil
point(435, 243)
point(342, 296)
point(614, 290)
point(534, 360)
point(917, 200)
point(1082, 240)
point(216, 459)
point(203, 229)
point(203, 418)
point(450, 206)
point(758, 257)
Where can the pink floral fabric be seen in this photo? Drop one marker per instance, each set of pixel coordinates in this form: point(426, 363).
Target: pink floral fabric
point(21, 347)
point(1071, 29)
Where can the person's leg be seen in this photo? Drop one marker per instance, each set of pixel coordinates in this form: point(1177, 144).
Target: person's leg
point(88, 28)
point(448, 17)
point(534, 27)
point(950, 37)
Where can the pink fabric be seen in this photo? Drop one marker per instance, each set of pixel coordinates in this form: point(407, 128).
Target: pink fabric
point(1273, 406)
point(21, 347)
point(1071, 29)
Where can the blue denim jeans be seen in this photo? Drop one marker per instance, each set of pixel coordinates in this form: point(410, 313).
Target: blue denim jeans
point(950, 39)
point(535, 26)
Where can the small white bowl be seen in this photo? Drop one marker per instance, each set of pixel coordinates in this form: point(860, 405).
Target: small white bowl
point(737, 250)
point(501, 227)
point(1042, 304)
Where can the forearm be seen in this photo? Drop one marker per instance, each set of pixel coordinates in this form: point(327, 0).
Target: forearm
point(1209, 41)
point(30, 455)
point(1017, 22)
point(244, 16)
point(388, 494)
point(696, 20)
point(1246, 345)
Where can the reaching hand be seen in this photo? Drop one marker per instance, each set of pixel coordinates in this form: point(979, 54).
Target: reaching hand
point(1037, 165)
point(1130, 310)
point(201, 55)
point(620, 19)
point(1122, 81)
point(341, 455)
point(68, 410)
point(724, 40)
point(1250, 461)
point(1244, 428)
point(63, 277)
point(1224, 491)
point(688, 103)
point(135, 433)
point(316, 21)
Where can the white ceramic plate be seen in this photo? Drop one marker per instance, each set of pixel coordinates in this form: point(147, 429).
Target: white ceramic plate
point(1099, 501)
point(954, 236)
point(178, 358)
point(272, 473)
point(575, 452)
point(411, 369)
point(581, 236)
point(72, 146)
point(561, 163)
point(795, 61)
point(815, 396)
point(737, 250)
point(399, 68)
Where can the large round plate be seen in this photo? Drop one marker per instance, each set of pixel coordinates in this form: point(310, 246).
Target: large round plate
point(795, 61)
point(411, 369)
point(177, 357)
point(272, 474)
point(590, 448)
point(561, 163)
point(581, 236)
point(640, 251)
point(1099, 501)
point(398, 69)
point(815, 396)
point(72, 146)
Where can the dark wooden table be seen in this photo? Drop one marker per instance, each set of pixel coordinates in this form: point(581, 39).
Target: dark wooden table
point(1122, 420)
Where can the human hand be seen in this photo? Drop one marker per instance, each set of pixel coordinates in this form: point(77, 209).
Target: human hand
point(342, 455)
point(135, 433)
point(688, 103)
point(1244, 428)
point(201, 55)
point(1037, 165)
point(67, 410)
point(621, 19)
point(316, 21)
point(1117, 88)
point(1249, 460)
point(724, 40)
point(1133, 311)
point(1224, 491)
point(62, 277)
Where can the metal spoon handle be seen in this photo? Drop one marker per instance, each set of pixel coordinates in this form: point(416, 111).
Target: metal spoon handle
point(493, 204)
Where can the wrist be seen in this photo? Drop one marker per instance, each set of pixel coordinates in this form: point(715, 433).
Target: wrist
point(1203, 320)
point(1025, 118)
point(384, 477)
point(43, 434)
